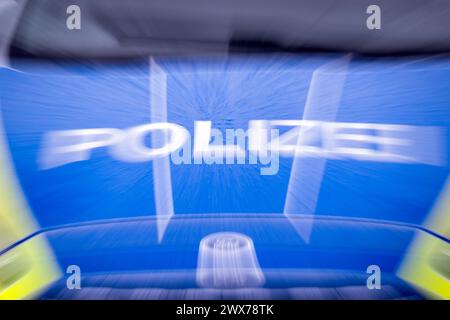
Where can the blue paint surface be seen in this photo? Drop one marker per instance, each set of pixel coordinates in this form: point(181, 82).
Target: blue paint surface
point(229, 92)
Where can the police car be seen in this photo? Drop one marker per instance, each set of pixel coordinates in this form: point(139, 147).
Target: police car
point(164, 150)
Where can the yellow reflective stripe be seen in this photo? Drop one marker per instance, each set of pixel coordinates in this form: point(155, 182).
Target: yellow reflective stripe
point(427, 264)
point(29, 267)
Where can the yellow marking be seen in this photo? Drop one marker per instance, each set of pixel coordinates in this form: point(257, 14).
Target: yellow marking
point(30, 267)
point(427, 264)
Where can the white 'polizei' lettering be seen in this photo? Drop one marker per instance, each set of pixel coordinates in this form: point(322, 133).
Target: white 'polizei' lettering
point(260, 144)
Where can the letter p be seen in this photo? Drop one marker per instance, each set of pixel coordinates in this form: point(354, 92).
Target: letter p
point(63, 147)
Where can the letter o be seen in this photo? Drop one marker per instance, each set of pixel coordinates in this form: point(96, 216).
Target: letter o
point(133, 149)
